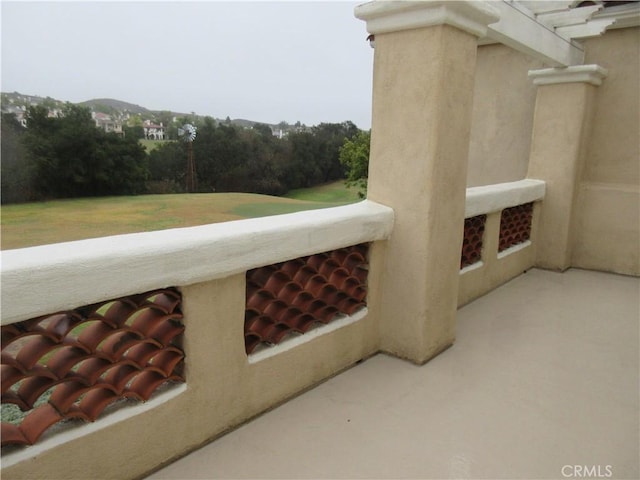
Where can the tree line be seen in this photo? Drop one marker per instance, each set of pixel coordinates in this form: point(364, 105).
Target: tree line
point(68, 156)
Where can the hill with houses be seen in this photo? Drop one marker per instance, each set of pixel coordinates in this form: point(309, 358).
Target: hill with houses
point(107, 105)
point(113, 115)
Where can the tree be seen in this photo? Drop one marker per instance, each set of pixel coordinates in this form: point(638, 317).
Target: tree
point(219, 157)
point(166, 168)
point(165, 117)
point(264, 130)
point(231, 158)
point(134, 127)
point(49, 103)
point(135, 121)
point(354, 155)
point(126, 166)
point(136, 131)
point(16, 176)
point(330, 137)
point(70, 157)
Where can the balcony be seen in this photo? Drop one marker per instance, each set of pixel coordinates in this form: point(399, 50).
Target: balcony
point(542, 377)
point(515, 378)
point(124, 354)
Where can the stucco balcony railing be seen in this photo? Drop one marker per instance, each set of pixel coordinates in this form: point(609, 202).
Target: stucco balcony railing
point(500, 231)
point(541, 383)
point(149, 343)
point(150, 326)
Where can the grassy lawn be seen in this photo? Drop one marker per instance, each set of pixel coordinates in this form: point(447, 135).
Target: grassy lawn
point(150, 145)
point(334, 192)
point(31, 224)
point(324, 196)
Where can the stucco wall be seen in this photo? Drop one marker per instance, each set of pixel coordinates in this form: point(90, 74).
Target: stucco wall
point(497, 269)
point(503, 103)
point(223, 389)
point(607, 235)
point(422, 88)
point(606, 227)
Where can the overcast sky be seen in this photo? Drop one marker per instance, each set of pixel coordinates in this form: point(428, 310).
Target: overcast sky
point(264, 61)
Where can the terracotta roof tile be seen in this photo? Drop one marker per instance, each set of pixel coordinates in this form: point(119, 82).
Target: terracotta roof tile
point(472, 240)
point(515, 225)
point(96, 400)
point(35, 424)
point(293, 296)
point(66, 394)
point(120, 374)
point(12, 435)
point(88, 358)
point(65, 358)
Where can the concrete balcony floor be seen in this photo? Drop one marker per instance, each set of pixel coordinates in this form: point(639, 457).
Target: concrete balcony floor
point(543, 375)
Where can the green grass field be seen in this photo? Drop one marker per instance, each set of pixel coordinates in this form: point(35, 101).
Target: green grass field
point(30, 224)
point(151, 145)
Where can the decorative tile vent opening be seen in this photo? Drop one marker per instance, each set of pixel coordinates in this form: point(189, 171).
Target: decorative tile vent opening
point(74, 364)
point(292, 297)
point(472, 242)
point(515, 225)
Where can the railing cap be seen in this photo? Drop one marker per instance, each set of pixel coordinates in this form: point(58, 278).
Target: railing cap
point(492, 198)
point(49, 278)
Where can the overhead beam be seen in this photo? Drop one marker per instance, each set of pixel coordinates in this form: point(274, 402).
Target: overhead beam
point(593, 28)
point(573, 16)
point(518, 29)
point(536, 6)
point(624, 16)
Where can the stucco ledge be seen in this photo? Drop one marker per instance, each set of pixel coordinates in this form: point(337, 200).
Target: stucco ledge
point(591, 74)
point(392, 16)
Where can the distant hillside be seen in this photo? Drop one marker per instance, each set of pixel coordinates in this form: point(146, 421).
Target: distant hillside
point(241, 122)
point(98, 104)
point(12, 100)
point(111, 106)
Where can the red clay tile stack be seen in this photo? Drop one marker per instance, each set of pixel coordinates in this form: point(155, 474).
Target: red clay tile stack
point(88, 358)
point(293, 296)
point(472, 242)
point(515, 225)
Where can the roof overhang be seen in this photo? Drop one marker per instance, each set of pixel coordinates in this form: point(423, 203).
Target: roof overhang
point(551, 30)
point(519, 29)
point(546, 30)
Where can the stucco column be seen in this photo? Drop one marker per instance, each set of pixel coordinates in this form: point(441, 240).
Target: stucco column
point(424, 67)
point(561, 127)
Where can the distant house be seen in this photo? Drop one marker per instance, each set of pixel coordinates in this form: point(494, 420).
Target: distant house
point(19, 112)
point(106, 123)
point(55, 113)
point(277, 132)
point(153, 131)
